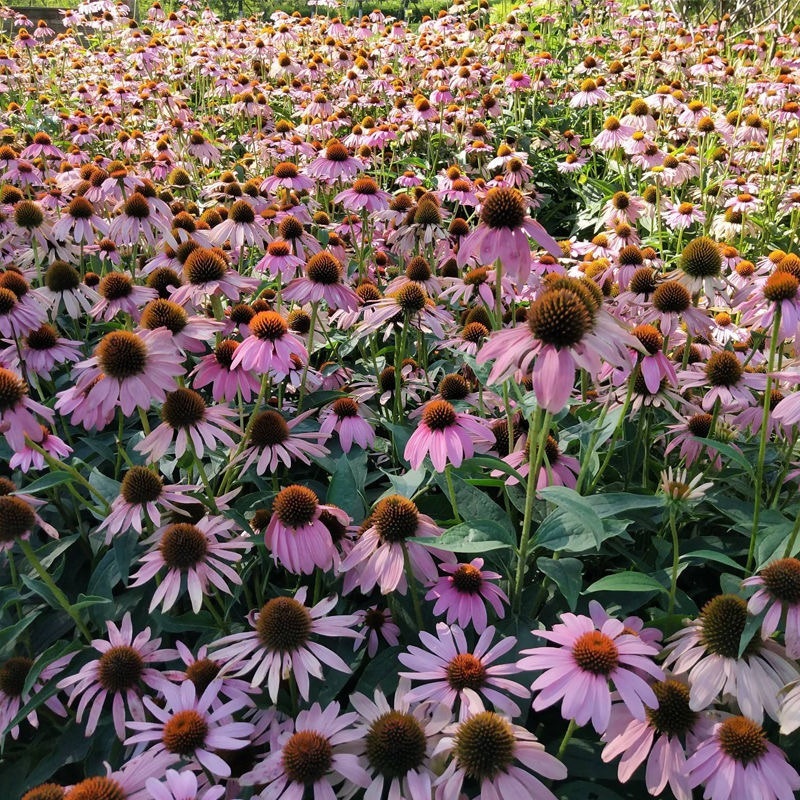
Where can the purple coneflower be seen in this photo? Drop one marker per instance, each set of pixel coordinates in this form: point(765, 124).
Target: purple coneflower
point(281, 644)
point(738, 760)
point(187, 729)
point(17, 411)
point(334, 164)
point(778, 591)
point(345, 416)
point(298, 534)
point(322, 281)
point(501, 758)
point(181, 786)
point(313, 758)
point(193, 551)
point(377, 622)
point(450, 673)
point(587, 659)
point(125, 663)
point(270, 346)
point(226, 380)
point(463, 593)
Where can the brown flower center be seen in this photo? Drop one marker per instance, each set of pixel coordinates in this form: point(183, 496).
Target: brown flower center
point(307, 757)
point(596, 652)
point(742, 739)
point(504, 207)
point(295, 506)
point(162, 313)
point(439, 415)
point(185, 732)
point(268, 325)
point(467, 579)
point(120, 668)
point(16, 518)
point(283, 625)
point(395, 744)
point(183, 546)
point(121, 354)
point(395, 518)
point(782, 580)
point(269, 429)
point(465, 671)
point(13, 674)
point(484, 746)
point(141, 485)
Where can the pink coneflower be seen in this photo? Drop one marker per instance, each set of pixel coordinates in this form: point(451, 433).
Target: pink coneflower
point(19, 315)
point(778, 591)
point(119, 293)
point(322, 281)
point(208, 274)
point(566, 329)
point(364, 195)
point(590, 94)
point(280, 643)
point(13, 675)
point(588, 658)
point(377, 623)
point(464, 592)
point(398, 741)
point(286, 176)
point(242, 227)
point(124, 665)
point(334, 164)
point(279, 261)
point(191, 334)
point(202, 670)
point(503, 234)
point(698, 426)
point(43, 348)
point(313, 758)
point(451, 673)
point(708, 652)
point(135, 369)
point(298, 534)
point(188, 730)
point(378, 557)
point(729, 383)
point(780, 292)
point(191, 424)
point(658, 739)
point(62, 286)
point(226, 381)
point(613, 135)
point(126, 783)
point(27, 458)
point(17, 411)
point(485, 749)
point(682, 216)
point(181, 786)
point(273, 442)
point(193, 552)
point(138, 223)
point(558, 468)
point(447, 436)
point(345, 416)
point(738, 760)
point(270, 346)
point(141, 493)
point(79, 222)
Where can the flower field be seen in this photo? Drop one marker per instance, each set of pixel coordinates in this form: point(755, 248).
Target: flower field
point(399, 411)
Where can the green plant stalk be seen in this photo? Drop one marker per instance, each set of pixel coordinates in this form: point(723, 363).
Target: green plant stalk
point(62, 599)
point(448, 476)
point(762, 441)
point(673, 586)
point(537, 439)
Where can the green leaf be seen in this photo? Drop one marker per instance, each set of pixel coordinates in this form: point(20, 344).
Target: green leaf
point(626, 582)
point(497, 464)
point(9, 635)
point(346, 489)
point(87, 600)
point(47, 482)
point(734, 454)
point(473, 504)
point(712, 555)
point(405, 484)
point(567, 574)
point(475, 536)
point(615, 503)
point(751, 627)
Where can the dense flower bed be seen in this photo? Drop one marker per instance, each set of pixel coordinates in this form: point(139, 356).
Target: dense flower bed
point(398, 411)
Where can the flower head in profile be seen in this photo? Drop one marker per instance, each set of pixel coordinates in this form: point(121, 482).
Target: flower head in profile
point(503, 759)
point(270, 346)
point(707, 652)
point(378, 557)
point(737, 760)
point(778, 591)
point(298, 536)
point(323, 281)
point(283, 642)
point(503, 234)
point(18, 410)
point(587, 660)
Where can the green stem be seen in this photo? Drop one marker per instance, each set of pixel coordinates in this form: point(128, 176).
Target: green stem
point(573, 726)
point(763, 436)
point(448, 476)
point(673, 587)
point(412, 588)
point(62, 599)
point(537, 439)
point(792, 537)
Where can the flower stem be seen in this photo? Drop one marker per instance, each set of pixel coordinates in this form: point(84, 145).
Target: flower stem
point(673, 587)
point(448, 476)
point(573, 726)
point(412, 588)
point(792, 537)
point(763, 436)
point(62, 599)
point(537, 439)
